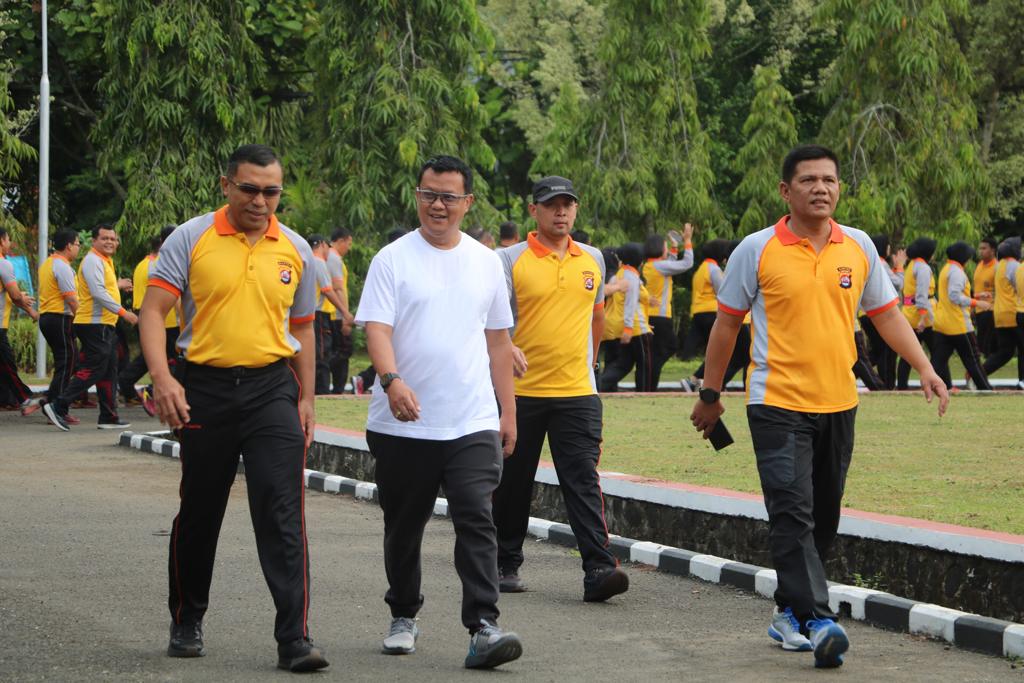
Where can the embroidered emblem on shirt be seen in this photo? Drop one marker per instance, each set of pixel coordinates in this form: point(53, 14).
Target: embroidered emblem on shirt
point(286, 275)
point(588, 280)
point(845, 277)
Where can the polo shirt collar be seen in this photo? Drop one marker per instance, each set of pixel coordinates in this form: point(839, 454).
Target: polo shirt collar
point(102, 256)
point(541, 251)
point(630, 269)
point(955, 263)
point(59, 256)
point(224, 227)
point(787, 237)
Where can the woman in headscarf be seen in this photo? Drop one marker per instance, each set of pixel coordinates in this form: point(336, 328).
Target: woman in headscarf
point(918, 290)
point(953, 327)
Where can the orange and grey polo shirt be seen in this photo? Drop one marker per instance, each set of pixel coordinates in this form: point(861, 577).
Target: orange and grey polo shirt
point(613, 313)
point(237, 300)
point(323, 284)
point(140, 280)
point(953, 301)
point(985, 277)
point(338, 272)
point(658, 273)
point(56, 285)
point(99, 300)
point(802, 307)
point(1005, 301)
point(553, 301)
point(706, 283)
point(6, 276)
point(918, 290)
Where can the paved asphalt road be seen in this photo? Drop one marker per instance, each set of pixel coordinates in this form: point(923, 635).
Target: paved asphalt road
point(83, 556)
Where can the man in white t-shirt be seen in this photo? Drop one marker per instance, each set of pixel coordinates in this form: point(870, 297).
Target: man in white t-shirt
point(437, 317)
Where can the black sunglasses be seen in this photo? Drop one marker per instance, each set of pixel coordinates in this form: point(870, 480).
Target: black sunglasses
point(252, 190)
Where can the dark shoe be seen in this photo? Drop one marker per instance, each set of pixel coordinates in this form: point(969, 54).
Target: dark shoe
point(490, 647)
point(300, 655)
point(116, 423)
point(601, 584)
point(509, 581)
point(55, 418)
point(186, 641)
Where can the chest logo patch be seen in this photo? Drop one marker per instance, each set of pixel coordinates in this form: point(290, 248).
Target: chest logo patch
point(845, 277)
point(286, 275)
point(588, 280)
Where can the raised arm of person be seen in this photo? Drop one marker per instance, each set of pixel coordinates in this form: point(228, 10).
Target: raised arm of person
point(897, 333)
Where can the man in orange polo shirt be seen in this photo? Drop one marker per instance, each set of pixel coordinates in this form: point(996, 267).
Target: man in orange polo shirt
point(556, 287)
point(248, 300)
point(985, 289)
point(803, 280)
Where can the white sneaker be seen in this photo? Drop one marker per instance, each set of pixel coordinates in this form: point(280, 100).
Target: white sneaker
point(686, 386)
point(785, 628)
point(401, 638)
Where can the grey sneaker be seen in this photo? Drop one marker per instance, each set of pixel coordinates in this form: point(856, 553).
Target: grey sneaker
point(401, 638)
point(509, 581)
point(490, 647)
point(785, 628)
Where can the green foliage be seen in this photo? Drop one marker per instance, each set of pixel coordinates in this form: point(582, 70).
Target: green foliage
point(13, 125)
point(395, 85)
point(22, 337)
point(902, 119)
point(640, 156)
point(770, 131)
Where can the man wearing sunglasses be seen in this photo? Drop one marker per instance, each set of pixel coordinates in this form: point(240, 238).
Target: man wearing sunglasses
point(248, 294)
point(437, 316)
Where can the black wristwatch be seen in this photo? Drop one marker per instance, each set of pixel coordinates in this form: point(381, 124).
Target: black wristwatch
point(387, 378)
point(710, 396)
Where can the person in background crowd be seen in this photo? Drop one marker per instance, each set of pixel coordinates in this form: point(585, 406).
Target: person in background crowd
point(557, 329)
point(99, 309)
point(17, 392)
point(580, 236)
point(328, 301)
point(918, 295)
point(1008, 340)
point(362, 382)
point(662, 263)
point(1019, 283)
point(482, 236)
point(635, 341)
point(341, 318)
point(508, 234)
point(880, 355)
point(58, 302)
point(703, 303)
point(953, 326)
point(985, 289)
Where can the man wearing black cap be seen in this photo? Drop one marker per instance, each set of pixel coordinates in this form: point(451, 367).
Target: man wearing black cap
point(556, 287)
point(322, 327)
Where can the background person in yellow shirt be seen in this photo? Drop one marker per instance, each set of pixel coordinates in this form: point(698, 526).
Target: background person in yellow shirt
point(953, 327)
point(662, 263)
point(634, 350)
point(704, 302)
point(803, 280)
point(1008, 343)
point(918, 300)
point(58, 303)
point(985, 288)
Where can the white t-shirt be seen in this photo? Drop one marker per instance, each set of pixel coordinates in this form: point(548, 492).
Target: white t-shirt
point(439, 302)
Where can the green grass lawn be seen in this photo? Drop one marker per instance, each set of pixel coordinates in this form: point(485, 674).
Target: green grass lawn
point(966, 468)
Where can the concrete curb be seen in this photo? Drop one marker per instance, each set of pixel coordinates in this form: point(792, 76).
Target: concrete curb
point(969, 631)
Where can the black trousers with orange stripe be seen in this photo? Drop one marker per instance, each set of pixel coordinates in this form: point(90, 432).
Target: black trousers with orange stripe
point(252, 412)
point(573, 428)
point(96, 366)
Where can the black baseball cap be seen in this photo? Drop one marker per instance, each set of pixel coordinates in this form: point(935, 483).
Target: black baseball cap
point(552, 186)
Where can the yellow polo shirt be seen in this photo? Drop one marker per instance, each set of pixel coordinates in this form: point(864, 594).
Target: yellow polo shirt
point(140, 280)
point(238, 300)
point(56, 285)
point(985, 277)
point(553, 300)
point(1005, 303)
point(704, 299)
point(802, 305)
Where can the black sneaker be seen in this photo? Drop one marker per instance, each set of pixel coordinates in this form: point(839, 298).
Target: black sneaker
point(300, 655)
point(55, 418)
point(601, 584)
point(509, 581)
point(116, 423)
point(186, 641)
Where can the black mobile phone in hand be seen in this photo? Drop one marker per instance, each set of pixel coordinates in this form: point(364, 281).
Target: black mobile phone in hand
point(720, 436)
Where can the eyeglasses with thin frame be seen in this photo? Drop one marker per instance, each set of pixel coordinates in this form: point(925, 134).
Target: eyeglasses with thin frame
point(270, 192)
point(428, 197)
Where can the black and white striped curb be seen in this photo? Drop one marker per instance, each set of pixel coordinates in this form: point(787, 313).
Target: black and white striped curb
point(971, 631)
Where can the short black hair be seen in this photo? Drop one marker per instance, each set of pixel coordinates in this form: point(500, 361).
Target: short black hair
point(611, 263)
point(922, 247)
point(154, 243)
point(395, 233)
point(101, 226)
point(258, 155)
point(881, 244)
point(449, 164)
point(581, 236)
point(991, 241)
point(316, 240)
point(806, 153)
point(717, 250)
point(340, 233)
point(654, 246)
point(508, 230)
point(62, 238)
